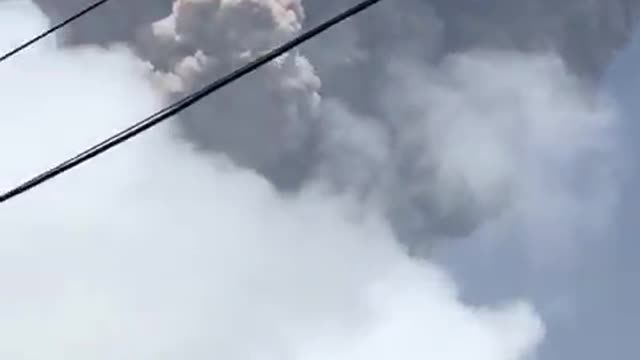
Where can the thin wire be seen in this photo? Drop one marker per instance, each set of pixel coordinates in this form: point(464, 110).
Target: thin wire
point(53, 29)
point(184, 103)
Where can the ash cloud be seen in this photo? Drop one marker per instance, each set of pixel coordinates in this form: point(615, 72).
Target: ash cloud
point(363, 139)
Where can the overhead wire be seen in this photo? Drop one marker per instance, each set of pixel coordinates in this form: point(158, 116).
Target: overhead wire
point(185, 102)
point(52, 30)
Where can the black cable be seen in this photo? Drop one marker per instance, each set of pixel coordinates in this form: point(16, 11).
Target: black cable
point(187, 101)
point(53, 29)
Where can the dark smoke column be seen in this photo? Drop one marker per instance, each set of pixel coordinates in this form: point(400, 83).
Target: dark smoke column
point(274, 121)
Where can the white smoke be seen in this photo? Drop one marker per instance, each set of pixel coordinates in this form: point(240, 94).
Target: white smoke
point(265, 115)
point(157, 251)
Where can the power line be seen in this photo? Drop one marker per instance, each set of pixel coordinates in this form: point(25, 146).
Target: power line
point(184, 103)
point(53, 29)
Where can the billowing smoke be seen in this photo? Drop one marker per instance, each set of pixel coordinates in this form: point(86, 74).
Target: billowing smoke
point(261, 121)
point(156, 250)
point(367, 135)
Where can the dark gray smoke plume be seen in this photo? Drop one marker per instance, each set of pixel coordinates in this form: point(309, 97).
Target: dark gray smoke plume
point(369, 133)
